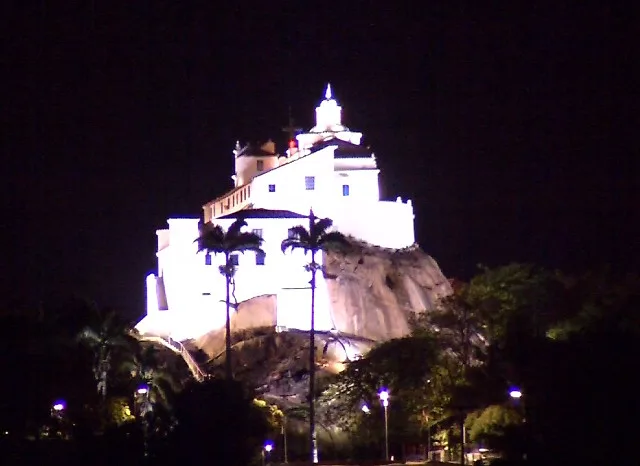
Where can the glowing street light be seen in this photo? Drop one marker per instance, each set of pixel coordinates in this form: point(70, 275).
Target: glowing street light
point(384, 398)
point(143, 390)
point(268, 447)
point(365, 409)
point(515, 393)
point(59, 406)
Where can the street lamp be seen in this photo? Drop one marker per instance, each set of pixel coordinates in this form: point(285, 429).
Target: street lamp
point(58, 409)
point(266, 450)
point(143, 408)
point(143, 390)
point(384, 398)
point(365, 409)
point(516, 394)
point(59, 406)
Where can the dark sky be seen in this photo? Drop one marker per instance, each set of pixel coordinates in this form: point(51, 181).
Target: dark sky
point(510, 128)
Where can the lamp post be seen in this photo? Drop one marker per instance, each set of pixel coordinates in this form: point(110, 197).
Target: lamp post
point(144, 408)
point(284, 435)
point(266, 450)
point(57, 409)
point(515, 393)
point(384, 398)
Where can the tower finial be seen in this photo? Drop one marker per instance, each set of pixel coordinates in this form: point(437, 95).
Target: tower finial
point(327, 93)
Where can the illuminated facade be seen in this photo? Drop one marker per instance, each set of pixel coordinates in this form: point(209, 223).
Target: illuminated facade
point(326, 169)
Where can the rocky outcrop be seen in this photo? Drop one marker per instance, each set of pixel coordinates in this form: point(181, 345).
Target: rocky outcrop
point(258, 312)
point(374, 290)
point(276, 364)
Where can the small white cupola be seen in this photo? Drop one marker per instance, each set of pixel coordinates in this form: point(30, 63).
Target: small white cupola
point(328, 114)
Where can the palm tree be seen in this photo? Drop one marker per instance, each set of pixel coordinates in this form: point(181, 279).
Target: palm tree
point(107, 335)
point(213, 239)
point(146, 368)
point(315, 239)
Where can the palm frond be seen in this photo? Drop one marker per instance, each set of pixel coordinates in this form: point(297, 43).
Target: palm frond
point(300, 239)
point(301, 233)
point(244, 242)
point(320, 227)
point(89, 336)
point(256, 249)
point(211, 238)
point(294, 243)
point(235, 227)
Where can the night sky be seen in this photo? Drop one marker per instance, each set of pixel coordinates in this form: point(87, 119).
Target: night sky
point(509, 128)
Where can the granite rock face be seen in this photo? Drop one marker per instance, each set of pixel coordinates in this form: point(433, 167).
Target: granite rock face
point(374, 290)
point(258, 312)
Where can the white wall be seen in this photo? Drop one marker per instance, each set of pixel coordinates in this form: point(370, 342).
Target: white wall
point(152, 295)
point(289, 180)
point(283, 275)
point(363, 186)
point(280, 270)
point(179, 263)
point(294, 307)
point(383, 223)
point(196, 291)
point(247, 167)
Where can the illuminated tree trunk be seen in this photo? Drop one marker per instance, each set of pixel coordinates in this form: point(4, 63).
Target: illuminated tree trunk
point(227, 276)
point(312, 363)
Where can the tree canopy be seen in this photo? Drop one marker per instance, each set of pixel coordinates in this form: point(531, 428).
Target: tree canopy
point(562, 340)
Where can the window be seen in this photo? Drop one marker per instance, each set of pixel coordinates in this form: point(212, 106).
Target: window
point(292, 233)
point(272, 188)
point(257, 232)
point(345, 189)
point(260, 165)
point(310, 183)
point(260, 258)
point(207, 259)
point(233, 259)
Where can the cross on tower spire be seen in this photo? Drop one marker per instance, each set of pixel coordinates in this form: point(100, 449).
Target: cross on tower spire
point(291, 130)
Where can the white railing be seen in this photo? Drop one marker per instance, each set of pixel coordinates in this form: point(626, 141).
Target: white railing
point(180, 349)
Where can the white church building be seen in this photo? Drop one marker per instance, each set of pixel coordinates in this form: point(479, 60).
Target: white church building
point(325, 169)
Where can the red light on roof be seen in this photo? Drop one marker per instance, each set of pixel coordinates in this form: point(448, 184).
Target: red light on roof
point(292, 144)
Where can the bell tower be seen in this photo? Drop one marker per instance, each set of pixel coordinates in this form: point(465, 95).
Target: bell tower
point(328, 114)
point(328, 125)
